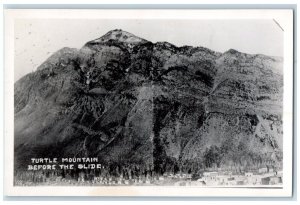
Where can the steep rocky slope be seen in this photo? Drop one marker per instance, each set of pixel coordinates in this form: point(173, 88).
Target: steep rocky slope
point(128, 100)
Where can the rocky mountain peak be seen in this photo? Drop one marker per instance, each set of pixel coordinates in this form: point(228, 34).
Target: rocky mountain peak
point(120, 36)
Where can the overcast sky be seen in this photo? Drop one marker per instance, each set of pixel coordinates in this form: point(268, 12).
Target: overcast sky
point(37, 39)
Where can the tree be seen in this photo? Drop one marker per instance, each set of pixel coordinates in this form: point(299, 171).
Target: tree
point(212, 156)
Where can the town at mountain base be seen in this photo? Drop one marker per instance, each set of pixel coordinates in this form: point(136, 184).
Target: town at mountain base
point(153, 106)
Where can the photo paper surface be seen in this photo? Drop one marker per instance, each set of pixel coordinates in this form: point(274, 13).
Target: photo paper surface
point(112, 103)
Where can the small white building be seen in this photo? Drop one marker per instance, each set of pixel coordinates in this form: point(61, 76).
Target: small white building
point(240, 180)
point(248, 174)
point(231, 182)
point(263, 170)
point(254, 180)
point(275, 180)
point(222, 179)
point(210, 178)
point(210, 175)
point(279, 173)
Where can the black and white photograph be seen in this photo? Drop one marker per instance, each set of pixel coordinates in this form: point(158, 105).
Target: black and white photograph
point(150, 103)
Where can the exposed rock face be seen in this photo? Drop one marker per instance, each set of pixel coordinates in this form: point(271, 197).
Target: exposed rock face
point(127, 100)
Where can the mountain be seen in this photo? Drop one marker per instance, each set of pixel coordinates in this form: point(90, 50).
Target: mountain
point(130, 101)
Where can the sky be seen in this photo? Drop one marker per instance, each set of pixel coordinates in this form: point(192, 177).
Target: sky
point(38, 39)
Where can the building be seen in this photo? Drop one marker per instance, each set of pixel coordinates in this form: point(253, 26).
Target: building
point(241, 180)
point(265, 180)
point(279, 173)
point(231, 181)
point(210, 175)
point(275, 180)
point(248, 174)
point(263, 170)
point(210, 178)
point(254, 180)
point(222, 179)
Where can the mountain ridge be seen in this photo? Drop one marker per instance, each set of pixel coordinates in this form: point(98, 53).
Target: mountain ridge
point(134, 101)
